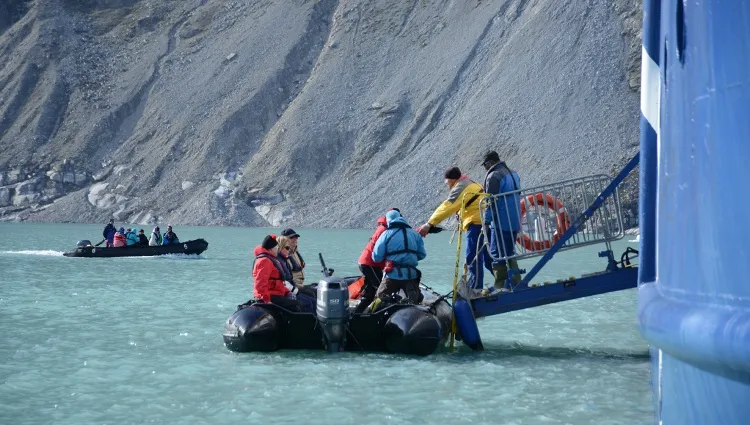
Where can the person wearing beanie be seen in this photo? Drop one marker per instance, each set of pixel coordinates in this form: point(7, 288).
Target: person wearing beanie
point(372, 271)
point(269, 243)
point(503, 217)
point(463, 200)
point(401, 249)
point(269, 284)
point(142, 239)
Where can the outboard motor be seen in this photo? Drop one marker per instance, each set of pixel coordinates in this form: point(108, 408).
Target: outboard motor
point(84, 243)
point(333, 312)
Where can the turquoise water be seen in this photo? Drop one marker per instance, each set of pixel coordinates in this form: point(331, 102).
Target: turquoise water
point(138, 340)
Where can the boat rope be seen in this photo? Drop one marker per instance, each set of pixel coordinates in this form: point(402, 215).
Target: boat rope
point(625, 257)
point(349, 331)
point(454, 325)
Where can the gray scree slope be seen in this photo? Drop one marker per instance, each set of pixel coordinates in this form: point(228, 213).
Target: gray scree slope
point(311, 113)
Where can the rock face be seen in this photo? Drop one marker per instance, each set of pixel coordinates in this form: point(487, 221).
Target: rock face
point(312, 113)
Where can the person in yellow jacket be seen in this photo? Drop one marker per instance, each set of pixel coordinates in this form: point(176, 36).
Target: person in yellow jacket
point(463, 200)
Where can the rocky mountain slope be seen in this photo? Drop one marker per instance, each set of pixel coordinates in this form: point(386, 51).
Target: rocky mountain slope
point(302, 112)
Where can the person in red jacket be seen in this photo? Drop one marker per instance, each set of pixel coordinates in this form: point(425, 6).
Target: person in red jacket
point(371, 270)
point(270, 286)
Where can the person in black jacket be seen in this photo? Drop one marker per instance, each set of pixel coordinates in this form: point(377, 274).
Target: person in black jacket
point(142, 239)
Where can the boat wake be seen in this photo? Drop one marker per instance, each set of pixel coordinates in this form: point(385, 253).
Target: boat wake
point(178, 257)
point(45, 253)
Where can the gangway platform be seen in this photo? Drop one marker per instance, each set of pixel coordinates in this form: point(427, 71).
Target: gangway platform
point(560, 216)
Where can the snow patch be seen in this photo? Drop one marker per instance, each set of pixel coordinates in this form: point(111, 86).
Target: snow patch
point(97, 198)
point(275, 216)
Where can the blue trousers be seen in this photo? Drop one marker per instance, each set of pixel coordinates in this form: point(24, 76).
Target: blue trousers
point(476, 263)
point(504, 246)
point(308, 302)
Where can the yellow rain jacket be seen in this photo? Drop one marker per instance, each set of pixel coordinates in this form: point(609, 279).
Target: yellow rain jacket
point(462, 192)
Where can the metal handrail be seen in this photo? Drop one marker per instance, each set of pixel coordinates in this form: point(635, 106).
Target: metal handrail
point(542, 226)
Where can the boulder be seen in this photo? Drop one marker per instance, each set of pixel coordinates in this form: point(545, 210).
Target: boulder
point(51, 192)
point(4, 197)
point(12, 176)
point(55, 176)
point(81, 178)
point(222, 192)
point(28, 199)
point(28, 187)
point(225, 182)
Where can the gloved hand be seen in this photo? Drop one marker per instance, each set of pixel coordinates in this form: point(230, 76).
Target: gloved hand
point(291, 295)
point(291, 287)
point(424, 229)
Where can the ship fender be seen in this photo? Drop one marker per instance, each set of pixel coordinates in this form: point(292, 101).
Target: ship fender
point(467, 324)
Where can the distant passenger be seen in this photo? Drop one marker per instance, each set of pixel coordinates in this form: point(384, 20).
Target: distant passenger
point(119, 240)
point(170, 237)
point(109, 232)
point(155, 237)
point(295, 258)
point(268, 276)
point(142, 239)
point(401, 248)
point(132, 237)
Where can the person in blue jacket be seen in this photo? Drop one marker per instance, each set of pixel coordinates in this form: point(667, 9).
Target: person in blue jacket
point(109, 232)
point(401, 248)
point(169, 237)
point(131, 237)
point(502, 218)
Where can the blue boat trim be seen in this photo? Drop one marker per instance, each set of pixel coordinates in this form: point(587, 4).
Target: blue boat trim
point(596, 284)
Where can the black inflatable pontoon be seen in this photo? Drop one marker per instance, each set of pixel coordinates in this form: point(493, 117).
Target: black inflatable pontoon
point(85, 249)
point(396, 328)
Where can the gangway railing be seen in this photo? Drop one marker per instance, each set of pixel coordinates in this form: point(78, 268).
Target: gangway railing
point(545, 212)
point(600, 216)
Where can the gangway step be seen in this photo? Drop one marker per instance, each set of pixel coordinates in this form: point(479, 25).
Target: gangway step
point(570, 289)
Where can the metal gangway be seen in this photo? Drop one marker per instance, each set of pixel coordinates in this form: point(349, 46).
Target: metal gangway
point(554, 217)
point(547, 211)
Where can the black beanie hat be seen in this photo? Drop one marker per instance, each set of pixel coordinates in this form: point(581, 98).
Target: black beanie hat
point(453, 173)
point(269, 242)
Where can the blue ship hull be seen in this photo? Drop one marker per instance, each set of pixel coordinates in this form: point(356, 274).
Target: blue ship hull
point(694, 290)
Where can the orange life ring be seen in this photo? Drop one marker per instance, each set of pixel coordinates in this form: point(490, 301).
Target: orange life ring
point(561, 213)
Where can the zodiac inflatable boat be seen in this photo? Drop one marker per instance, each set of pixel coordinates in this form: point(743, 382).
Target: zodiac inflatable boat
point(396, 327)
